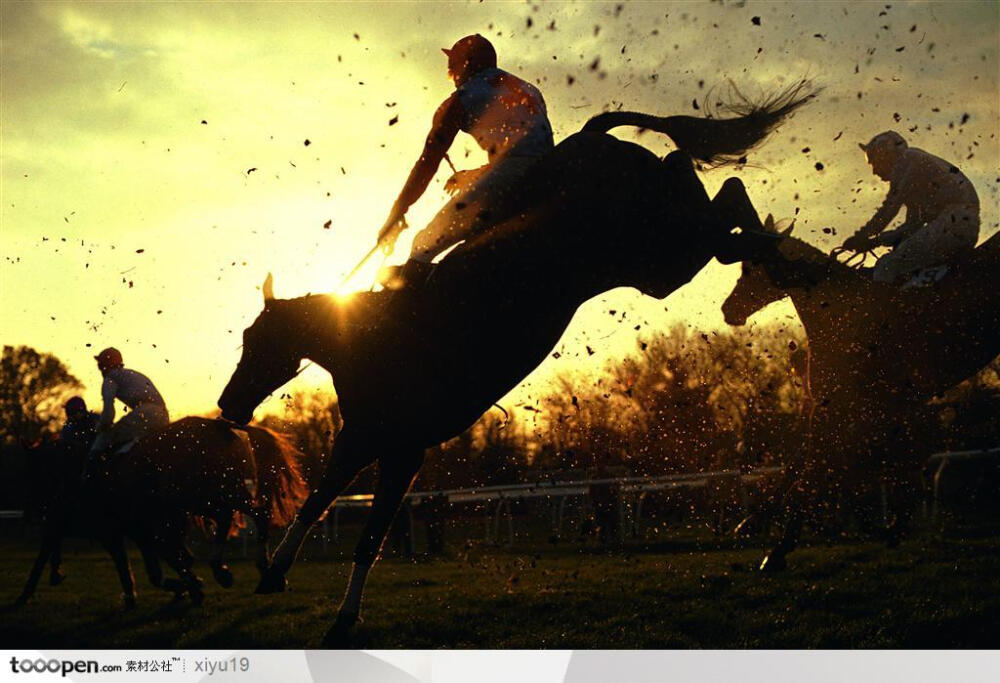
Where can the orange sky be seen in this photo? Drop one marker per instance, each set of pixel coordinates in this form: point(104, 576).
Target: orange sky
point(125, 220)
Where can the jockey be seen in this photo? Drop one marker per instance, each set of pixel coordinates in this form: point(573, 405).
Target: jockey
point(507, 117)
point(135, 390)
point(942, 209)
point(80, 429)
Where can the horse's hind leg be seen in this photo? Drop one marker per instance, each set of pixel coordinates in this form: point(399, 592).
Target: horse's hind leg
point(394, 478)
point(732, 204)
point(732, 208)
point(153, 569)
point(115, 546)
point(220, 570)
point(170, 546)
point(349, 457)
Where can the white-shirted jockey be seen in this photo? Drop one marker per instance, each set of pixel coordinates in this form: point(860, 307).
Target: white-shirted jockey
point(507, 117)
point(134, 389)
point(942, 209)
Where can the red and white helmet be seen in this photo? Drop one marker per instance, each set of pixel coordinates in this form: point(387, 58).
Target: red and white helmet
point(108, 359)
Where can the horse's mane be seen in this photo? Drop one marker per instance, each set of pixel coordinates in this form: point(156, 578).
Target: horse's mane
point(279, 479)
point(801, 264)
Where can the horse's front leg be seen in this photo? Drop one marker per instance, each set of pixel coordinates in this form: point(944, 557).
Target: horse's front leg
point(262, 521)
point(220, 570)
point(351, 454)
point(56, 576)
point(396, 473)
point(791, 508)
point(50, 538)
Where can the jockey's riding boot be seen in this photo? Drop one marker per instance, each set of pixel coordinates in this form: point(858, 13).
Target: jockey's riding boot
point(410, 275)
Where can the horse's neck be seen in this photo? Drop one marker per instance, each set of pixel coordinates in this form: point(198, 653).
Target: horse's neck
point(832, 300)
point(309, 319)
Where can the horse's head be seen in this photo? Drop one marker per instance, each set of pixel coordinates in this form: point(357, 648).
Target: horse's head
point(753, 291)
point(268, 359)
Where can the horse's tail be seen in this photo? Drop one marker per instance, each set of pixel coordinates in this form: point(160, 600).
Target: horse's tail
point(279, 479)
point(718, 141)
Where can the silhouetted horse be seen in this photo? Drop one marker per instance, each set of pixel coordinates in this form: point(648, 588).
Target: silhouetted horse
point(416, 367)
point(70, 510)
point(195, 466)
point(878, 353)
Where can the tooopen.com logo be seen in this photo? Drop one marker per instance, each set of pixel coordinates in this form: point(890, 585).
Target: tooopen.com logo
point(59, 666)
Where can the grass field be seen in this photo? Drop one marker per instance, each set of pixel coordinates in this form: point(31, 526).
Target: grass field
point(929, 593)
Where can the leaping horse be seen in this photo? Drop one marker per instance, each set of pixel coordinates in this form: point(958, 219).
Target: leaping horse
point(878, 354)
point(417, 367)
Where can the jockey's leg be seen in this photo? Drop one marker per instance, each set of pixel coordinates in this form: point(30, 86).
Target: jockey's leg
point(396, 473)
point(350, 455)
point(944, 239)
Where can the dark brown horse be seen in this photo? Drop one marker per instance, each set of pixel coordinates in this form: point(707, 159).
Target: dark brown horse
point(417, 367)
point(878, 353)
point(194, 466)
point(69, 510)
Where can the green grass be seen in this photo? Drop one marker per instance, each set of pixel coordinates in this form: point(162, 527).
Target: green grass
point(929, 593)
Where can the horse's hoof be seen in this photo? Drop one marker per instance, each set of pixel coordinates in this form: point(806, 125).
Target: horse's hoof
point(271, 582)
point(339, 635)
point(130, 602)
point(773, 563)
point(223, 575)
point(55, 578)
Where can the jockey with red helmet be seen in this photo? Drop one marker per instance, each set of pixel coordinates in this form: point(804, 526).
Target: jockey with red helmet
point(507, 117)
point(135, 390)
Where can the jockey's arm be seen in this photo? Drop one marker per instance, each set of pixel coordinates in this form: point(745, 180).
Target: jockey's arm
point(108, 392)
point(890, 207)
point(447, 123)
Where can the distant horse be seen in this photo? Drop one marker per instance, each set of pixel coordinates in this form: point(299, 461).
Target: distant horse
point(194, 466)
point(878, 353)
point(416, 367)
point(69, 512)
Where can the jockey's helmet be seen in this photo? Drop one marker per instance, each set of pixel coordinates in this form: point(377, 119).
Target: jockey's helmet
point(884, 150)
point(75, 405)
point(470, 55)
point(108, 359)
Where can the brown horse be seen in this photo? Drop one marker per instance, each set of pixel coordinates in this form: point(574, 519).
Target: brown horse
point(69, 511)
point(878, 353)
point(417, 367)
point(195, 466)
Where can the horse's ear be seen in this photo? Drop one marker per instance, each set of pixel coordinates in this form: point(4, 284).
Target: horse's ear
point(268, 289)
point(787, 232)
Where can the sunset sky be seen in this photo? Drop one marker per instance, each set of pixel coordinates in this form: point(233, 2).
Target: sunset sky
point(129, 214)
